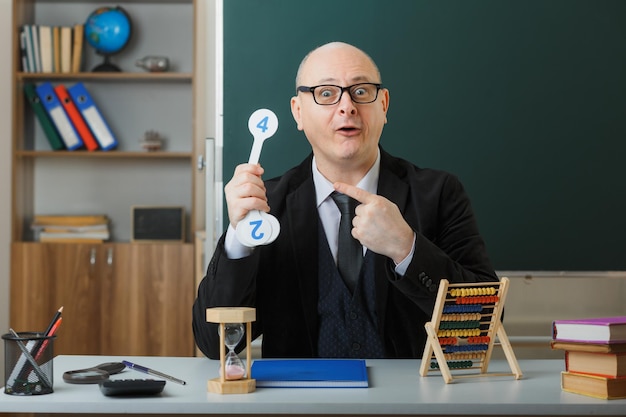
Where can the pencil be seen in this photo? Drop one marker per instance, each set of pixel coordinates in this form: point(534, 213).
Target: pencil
point(53, 321)
point(44, 344)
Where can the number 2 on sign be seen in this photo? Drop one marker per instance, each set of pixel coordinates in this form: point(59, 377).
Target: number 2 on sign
point(256, 225)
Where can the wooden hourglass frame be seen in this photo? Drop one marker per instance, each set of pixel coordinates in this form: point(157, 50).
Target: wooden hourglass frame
point(461, 334)
point(223, 315)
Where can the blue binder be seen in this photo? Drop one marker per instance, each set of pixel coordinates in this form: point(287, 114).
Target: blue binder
point(87, 107)
point(57, 114)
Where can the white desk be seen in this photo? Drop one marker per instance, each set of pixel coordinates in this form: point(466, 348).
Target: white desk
point(395, 388)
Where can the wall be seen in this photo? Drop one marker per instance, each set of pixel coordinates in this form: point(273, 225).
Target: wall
point(5, 166)
point(534, 301)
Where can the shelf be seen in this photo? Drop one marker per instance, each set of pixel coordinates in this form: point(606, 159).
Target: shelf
point(104, 154)
point(108, 76)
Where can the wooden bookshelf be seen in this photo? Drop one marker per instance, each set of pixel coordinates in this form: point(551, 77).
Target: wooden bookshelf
point(119, 297)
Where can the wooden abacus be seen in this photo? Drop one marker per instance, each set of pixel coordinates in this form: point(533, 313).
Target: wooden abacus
point(461, 335)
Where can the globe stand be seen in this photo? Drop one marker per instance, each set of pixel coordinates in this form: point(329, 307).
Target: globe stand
point(224, 315)
point(107, 65)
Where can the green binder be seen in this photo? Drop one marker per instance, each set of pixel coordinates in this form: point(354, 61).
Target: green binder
point(51, 132)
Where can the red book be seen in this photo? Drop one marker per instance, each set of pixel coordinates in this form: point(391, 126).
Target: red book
point(594, 330)
point(77, 119)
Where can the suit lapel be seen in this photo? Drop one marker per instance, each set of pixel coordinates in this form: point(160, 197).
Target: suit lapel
point(303, 219)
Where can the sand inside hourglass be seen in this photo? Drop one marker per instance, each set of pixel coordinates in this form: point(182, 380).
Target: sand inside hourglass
point(234, 368)
point(234, 372)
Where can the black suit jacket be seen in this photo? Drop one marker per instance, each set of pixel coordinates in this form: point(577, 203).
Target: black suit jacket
point(281, 279)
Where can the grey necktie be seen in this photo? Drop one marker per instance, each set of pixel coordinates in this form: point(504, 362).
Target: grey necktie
point(349, 251)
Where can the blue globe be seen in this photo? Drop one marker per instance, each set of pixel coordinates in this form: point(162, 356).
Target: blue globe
point(108, 30)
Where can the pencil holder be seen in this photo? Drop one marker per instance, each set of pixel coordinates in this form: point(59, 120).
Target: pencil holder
point(28, 363)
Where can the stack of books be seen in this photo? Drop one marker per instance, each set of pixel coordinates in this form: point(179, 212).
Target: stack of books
point(51, 49)
point(595, 356)
point(71, 229)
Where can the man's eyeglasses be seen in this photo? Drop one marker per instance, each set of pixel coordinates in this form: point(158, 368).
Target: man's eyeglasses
point(326, 95)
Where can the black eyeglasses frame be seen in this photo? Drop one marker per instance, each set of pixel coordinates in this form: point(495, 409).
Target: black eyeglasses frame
point(307, 89)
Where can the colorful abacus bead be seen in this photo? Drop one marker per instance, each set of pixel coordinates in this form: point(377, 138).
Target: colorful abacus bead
point(478, 339)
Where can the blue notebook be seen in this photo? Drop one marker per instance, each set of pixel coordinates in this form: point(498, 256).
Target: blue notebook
point(305, 373)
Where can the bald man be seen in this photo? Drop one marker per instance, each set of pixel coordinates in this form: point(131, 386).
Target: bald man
point(414, 226)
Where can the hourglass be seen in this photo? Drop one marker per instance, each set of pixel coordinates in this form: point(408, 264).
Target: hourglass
point(234, 377)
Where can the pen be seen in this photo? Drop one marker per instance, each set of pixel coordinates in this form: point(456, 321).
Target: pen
point(153, 372)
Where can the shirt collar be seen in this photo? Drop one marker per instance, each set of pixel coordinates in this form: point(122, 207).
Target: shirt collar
point(323, 187)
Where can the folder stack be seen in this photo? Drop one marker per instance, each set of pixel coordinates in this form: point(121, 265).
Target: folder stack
point(69, 117)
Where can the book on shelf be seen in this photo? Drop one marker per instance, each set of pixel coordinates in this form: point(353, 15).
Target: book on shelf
point(69, 220)
point(23, 51)
point(45, 48)
point(54, 239)
point(77, 48)
point(56, 143)
point(30, 52)
point(56, 48)
point(75, 116)
point(318, 373)
point(611, 365)
point(593, 385)
point(66, 49)
point(589, 347)
point(591, 330)
point(59, 117)
point(55, 228)
point(74, 236)
point(34, 33)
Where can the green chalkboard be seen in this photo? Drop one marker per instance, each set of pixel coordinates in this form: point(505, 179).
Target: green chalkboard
point(525, 101)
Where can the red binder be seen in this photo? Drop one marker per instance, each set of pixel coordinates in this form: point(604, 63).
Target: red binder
point(76, 118)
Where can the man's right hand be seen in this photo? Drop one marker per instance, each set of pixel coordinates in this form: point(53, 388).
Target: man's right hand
point(245, 192)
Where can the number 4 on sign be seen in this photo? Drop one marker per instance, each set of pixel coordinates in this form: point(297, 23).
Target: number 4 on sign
point(263, 123)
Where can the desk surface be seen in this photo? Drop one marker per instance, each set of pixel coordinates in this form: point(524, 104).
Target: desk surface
point(395, 388)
